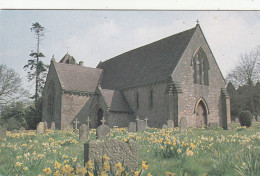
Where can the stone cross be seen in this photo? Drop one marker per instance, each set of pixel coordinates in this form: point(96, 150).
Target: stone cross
point(146, 119)
point(88, 121)
point(103, 120)
point(76, 123)
point(137, 118)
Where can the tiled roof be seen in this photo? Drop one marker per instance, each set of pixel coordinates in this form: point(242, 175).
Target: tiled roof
point(150, 63)
point(77, 78)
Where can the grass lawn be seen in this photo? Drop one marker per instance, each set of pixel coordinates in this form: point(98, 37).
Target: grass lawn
point(166, 152)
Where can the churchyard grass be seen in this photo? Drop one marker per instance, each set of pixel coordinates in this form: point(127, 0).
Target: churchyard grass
point(167, 151)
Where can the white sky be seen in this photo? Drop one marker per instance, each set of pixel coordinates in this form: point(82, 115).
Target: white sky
point(94, 35)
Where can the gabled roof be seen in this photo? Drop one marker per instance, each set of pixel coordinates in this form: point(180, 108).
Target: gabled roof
point(150, 63)
point(115, 100)
point(77, 78)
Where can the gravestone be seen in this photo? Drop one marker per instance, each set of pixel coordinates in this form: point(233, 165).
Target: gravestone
point(117, 151)
point(183, 124)
point(103, 131)
point(45, 125)
point(52, 126)
point(2, 133)
point(40, 128)
point(132, 127)
point(213, 124)
point(22, 129)
point(164, 126)
point(170, 124)
point(140, 125)
point(146, 123)
point(83, 132)
point(236, 120)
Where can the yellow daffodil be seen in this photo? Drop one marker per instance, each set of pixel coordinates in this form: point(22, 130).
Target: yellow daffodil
point(47, 170)
point(144, 165)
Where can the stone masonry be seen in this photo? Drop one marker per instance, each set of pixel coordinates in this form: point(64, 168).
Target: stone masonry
point(117, 151)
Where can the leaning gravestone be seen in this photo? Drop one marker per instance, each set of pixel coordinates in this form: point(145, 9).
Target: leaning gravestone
point(132, 127)
point(2, 133)
point(83, 132)
point(103, 131)
point(170, 124)
point(117, 151)
point(164, 126)
point(183, 124)
point(40, 128)
point(140, 125)
point(52, 126)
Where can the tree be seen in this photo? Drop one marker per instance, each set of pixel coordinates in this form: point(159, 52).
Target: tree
point(246, 73)
point(247, 69)
point(37, 69)
point(10, 86)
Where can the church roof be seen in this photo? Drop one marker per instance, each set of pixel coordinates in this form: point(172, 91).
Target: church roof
point(115, 100)
point(68, 59)
point(149, 63)
point(77, 78)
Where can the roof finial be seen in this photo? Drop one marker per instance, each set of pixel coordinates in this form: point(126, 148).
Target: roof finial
point(197, 21)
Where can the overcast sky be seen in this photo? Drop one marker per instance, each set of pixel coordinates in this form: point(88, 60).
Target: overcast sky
point(93, 36)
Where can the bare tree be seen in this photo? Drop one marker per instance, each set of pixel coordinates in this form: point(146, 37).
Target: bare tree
point(10, 86)
point(246, 71)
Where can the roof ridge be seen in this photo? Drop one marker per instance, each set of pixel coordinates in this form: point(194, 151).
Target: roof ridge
point(74, 65)
point(147, 45)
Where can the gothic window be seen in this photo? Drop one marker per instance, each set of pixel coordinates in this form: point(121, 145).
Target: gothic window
point(51, 97)
point(150, 98)
point(201, 67)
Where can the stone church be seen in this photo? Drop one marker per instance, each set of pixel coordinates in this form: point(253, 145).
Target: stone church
point(173, 78)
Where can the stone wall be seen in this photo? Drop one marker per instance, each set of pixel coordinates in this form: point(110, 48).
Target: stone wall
point(116, 150)
point(157, 114)
point(52, 77)
point(192, 93)
point(71, 105)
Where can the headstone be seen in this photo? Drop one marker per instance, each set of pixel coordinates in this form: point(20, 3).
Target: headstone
point(88, 122)
point(183, 124)
point(103, 131)
point(76, 122)
point(146, 124)
point(45, 125)
point(117, 151)
point(40, 128)
point(164, 126)
point(22, 129)
point(236, 120)
point(83, 132)
point(170, 124)
point(213, 124)
point(253, 120)
point(140, 125)
point(103, 120)
point(52, 126)
point(2, 133)
point(132, 127)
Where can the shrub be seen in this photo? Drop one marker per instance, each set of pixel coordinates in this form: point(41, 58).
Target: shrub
point(245, 118)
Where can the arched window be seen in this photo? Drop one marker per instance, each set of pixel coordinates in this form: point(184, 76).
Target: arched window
point(200, 67)
point(51, 98)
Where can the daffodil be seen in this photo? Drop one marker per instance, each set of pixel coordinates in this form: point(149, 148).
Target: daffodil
point(47, 170)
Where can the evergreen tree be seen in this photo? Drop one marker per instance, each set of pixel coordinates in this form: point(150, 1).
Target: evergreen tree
point(37, 69)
